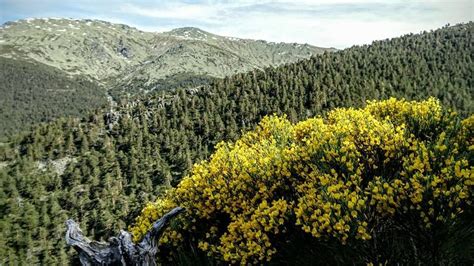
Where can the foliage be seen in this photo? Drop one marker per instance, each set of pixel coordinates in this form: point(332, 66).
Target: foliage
point(102, 169)
point(181, 80)
point(345, 178)
point(34, 92)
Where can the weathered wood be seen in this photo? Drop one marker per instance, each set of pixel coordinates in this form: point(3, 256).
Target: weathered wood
point(119, 250)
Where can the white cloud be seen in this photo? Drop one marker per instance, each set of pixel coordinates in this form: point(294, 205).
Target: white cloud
point(173, 11)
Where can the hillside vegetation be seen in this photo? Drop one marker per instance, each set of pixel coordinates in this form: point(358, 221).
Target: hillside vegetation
point(119, 59)
point(118, 53)
point(364, 181)
point(102, 170)
point(32, 92)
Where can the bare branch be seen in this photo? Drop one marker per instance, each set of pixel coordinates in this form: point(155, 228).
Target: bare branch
point(119, 250)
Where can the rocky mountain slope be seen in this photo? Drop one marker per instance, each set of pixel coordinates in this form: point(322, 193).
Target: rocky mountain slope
point(118, 60)
point(104, 51)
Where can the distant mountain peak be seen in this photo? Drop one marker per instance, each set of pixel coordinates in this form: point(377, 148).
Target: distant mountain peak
point(188, 29)
point(190, 33)
point(102, 50)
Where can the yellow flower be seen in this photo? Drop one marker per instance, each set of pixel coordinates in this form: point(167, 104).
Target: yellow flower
point(328, 175)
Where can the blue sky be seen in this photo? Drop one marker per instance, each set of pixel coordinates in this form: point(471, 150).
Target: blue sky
point(327, 23)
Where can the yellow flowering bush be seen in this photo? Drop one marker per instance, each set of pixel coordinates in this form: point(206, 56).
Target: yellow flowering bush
point(335, 178)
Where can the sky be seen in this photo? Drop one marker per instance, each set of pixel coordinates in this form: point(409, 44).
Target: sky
point(325, 23)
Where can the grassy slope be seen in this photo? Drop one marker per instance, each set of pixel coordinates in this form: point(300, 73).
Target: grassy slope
point(34, 92)
point(102, 50)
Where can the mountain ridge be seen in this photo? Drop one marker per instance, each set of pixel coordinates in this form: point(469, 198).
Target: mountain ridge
point(102, 50)
point(124, 61)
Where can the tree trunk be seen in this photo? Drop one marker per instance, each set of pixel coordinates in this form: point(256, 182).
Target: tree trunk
point(119, 250)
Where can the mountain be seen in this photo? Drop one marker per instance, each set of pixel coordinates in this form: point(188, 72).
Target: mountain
point(104, 51)
point(191, 50)
point(102, 169)
point(121, 61)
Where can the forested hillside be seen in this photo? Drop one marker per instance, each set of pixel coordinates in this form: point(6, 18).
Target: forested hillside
point(32, 92)
point(101, 170)
point(119, 59)
point(350, 188)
